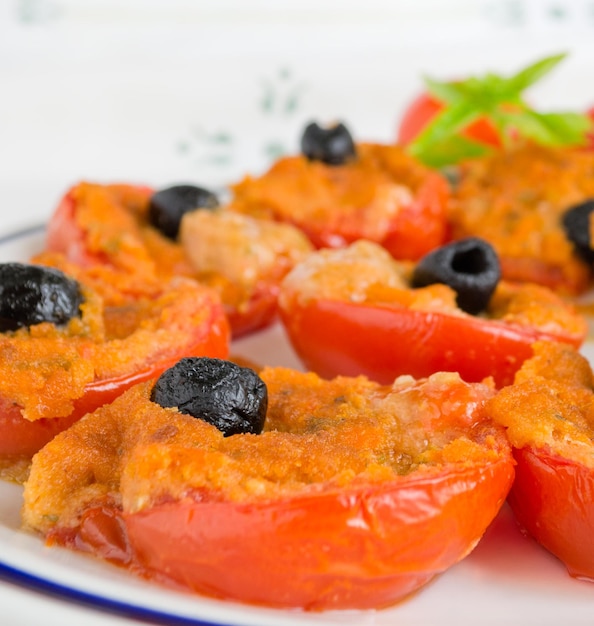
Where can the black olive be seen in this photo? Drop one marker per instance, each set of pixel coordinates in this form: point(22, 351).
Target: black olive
point(226, 395)
point(469, 266)
point(168, 206)
point(31, 294)
point(576, 223)
point(333, 145)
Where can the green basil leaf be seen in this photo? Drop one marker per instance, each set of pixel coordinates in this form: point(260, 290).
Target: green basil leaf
point(533, 73)
point(444, 92)
point(446, 124)
point(553, 129)
point(500, 100)
point(448, 151)
point(489, 89)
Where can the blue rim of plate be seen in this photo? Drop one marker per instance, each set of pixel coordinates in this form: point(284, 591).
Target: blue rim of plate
point(35, 229)
point(49, 588)
point(115, 607)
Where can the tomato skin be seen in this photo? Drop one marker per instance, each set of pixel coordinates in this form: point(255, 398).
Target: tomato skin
point(423, 225)
point(362, 534)
point(383, 342)
point(21, 437)
point(361, 548)
point(424, 108)
point(261, 311)
point(553, 499)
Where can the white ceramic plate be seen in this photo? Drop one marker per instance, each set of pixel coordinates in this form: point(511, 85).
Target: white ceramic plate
point(508, 579)
point(166, 91)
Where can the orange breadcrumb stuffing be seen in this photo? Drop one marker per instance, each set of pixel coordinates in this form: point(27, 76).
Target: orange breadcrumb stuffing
point(318, 435)
point(335, 205)
point(45, 368)
point(551, 404)
point(515, 200)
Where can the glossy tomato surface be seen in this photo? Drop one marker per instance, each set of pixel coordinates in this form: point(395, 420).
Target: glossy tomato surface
point(356, 548)
point(22, 437)
point(553, 499)
point(382, 342)
point(422, 225)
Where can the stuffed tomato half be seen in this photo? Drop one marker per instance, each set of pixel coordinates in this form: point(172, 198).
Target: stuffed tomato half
point(63, 353)
point(357, 311)
point(338, 191)
point(549, 416)
point(337, 494)
point(140, 237)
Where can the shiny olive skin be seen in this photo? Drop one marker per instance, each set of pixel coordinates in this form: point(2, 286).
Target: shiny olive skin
point(576, 224)
point(333, 145)
point(168, 206)
point(31, 294)
point(226, 395)
point(469, 266)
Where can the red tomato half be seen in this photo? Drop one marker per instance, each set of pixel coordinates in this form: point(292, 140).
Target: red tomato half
point(422, 111)
point(414, 230)
point(22, 437)
point(383, 195)
point(548, 415)
point(353, 496)
point(66, 235)
point(553, 499)
point(382, 342)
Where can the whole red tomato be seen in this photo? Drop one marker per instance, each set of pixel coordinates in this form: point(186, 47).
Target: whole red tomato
point(423, 110)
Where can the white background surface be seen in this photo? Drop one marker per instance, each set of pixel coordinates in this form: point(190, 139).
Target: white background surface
point(205, 91)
